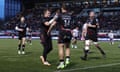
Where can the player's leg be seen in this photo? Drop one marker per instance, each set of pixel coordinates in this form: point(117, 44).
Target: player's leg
point(112, 41)
point(26, 40)
point(44, 56)
point(19, 44)
point(75, 42)
point(43, 42)
point(47, 47)
point(49, 40)
point(30, 40)
point(67, 53)
point(23, 45)
point(86, 49)
point(61, 55)
point(48, 50)
point(100, 49)
point(67, 45)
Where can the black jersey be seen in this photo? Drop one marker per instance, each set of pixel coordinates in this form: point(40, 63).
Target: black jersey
point(23, 26)
point(43, 26)
point(65, 26)
point(91, 30)
point(65, 21)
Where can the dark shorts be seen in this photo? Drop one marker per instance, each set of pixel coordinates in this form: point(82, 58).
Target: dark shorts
point(64, 37)
point(46, 39)
point(21, 36)
point(75, 38)
point(92, 37)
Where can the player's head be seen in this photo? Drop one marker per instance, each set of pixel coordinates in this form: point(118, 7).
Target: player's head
point(92, 14)
point(22, 19)
point(63, 8)
point(47, 13)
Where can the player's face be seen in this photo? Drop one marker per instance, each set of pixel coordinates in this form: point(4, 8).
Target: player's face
point(92, 14)
point(22, 19)
point(47, 14)
point(63, 10)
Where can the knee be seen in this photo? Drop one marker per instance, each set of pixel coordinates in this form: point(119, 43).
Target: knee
point(87, 47)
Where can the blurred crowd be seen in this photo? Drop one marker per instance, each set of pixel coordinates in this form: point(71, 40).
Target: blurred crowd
point(33, 16)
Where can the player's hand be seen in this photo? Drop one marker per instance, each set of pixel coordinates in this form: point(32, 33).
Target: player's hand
point(56, 16)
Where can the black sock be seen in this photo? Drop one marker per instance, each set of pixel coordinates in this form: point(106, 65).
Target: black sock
point(23, 47)
point(19, 47)
point(102, 52)
point(68, 57)
point(86, 53)
point(61, 61)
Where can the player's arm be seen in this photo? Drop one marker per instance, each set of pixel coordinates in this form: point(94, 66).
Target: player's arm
point(84, 31)
point(52, 21)
point(18, 29)
point(90, 25)
point(96, 24)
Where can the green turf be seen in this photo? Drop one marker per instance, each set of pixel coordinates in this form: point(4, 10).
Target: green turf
point(10, 61)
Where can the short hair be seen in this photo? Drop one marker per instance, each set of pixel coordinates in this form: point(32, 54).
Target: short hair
point(47, 9)
point(91, 11)
point(64, 6)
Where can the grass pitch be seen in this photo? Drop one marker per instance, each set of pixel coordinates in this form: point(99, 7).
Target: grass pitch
point(10, 61)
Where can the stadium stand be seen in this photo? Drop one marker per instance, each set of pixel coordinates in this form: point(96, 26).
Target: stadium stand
point(109, 20)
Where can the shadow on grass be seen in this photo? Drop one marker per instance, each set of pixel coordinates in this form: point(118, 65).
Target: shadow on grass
point(94, 58)
point(28, 53)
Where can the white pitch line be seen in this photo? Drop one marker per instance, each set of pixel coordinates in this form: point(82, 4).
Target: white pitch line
point(13, 56)
point(91, 67)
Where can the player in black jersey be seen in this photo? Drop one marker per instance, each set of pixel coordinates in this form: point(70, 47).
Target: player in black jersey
point(22, 27)
point(65, 35)
point(45, 36)
point(92, 26)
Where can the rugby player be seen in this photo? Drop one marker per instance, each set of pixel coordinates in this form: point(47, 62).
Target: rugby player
point(64, 38)
point(22, 27)
point(45, 37)
point(90, 34)
point(111, 37)
point(75, 34)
